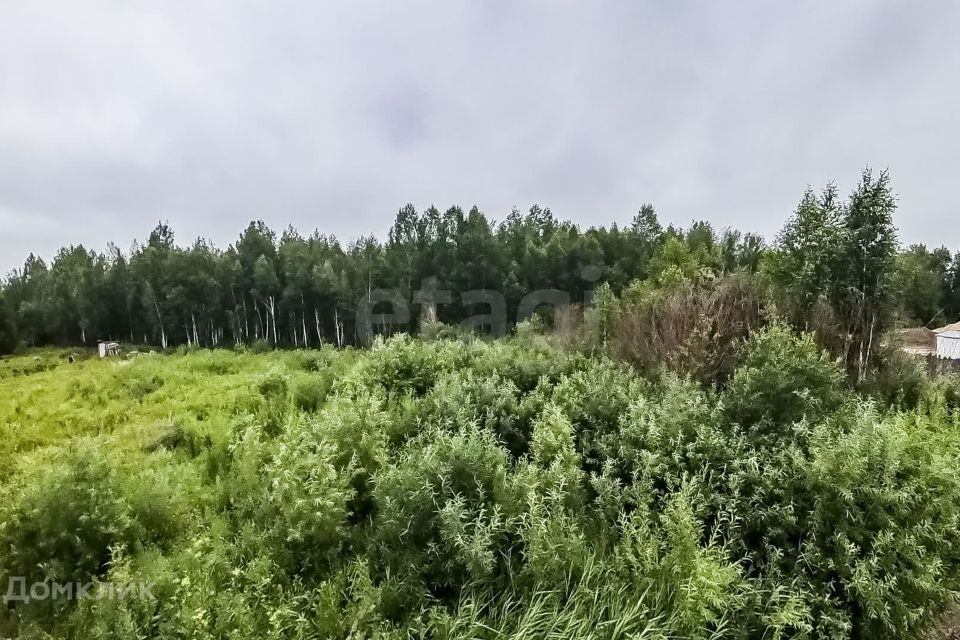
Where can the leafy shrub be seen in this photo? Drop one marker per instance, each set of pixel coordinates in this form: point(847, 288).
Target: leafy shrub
point(275, 401)
point(555, 480)
point(241, 485)
point(311, 361)
point(851, 520)
point(173, 436)
point(898, 380)
point(525, 365)
point(531, 330)
point(306, 501)
point(310, 393)
point(782, 379)
point(402, 365)
point(439, 331)
point(354, 432)
point(490, 401)
point(440, 511)
point(594, 399)
point(670, 434)
point(62, 520)
point(163, 499)
point(694, 584)
point(142, 384)
point(259, 346)
point(218, 362)
point(942, 396)
point(69, 517)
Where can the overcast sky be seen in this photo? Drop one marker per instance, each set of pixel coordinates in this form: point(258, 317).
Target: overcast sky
point(114, 115)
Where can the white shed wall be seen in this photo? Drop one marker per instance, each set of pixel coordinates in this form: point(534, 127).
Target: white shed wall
point(948, 345)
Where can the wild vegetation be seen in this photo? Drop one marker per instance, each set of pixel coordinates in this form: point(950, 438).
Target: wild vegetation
point(836, 262)
point(464, 488)
point(721, 442)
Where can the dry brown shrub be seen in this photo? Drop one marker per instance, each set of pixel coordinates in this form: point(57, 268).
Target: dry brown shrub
point(691, 329)
point(569, 328)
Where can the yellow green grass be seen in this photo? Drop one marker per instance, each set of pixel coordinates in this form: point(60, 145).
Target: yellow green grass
point(130, 402)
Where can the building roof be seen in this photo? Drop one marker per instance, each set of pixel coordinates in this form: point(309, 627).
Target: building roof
point(950, 327)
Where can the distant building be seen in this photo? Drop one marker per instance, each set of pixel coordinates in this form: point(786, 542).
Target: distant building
point(948, 341)
point(108, 349)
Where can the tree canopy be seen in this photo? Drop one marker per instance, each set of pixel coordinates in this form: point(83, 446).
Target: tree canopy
point(289, 289)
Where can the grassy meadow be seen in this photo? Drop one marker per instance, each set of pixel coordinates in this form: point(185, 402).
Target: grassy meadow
point(460, 488)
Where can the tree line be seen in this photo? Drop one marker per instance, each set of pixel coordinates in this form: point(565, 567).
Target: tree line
point(288, 289)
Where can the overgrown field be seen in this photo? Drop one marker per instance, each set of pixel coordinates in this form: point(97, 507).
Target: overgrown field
point(451, 489)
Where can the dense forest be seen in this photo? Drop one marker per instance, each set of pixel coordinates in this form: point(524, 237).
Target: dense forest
point(290, 290)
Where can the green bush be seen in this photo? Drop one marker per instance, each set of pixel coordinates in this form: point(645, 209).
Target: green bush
point(274, 390)
point(782, 379)
point(868, 499)
point(218, 362)
point(402, 365)
point(441, 515)
point(594, 399)
point(173, 436)
point(61, 521)
point(143, 385)
point(898, 381)
point(306, 501)
point(489, 400)
point(70, 516)
point(311, 361)
point(310, 393)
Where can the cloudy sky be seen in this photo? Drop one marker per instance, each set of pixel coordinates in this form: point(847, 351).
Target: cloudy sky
point(114, 115)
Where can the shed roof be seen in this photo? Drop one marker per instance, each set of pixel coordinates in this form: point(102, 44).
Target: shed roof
point(950, 327)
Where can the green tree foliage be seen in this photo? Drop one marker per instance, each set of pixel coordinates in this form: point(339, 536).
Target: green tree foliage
point(842, 255)
point(862, 289)
point(8, 327)
point(952, 289)
point(291, 290)
point(834, 270)
point(922, 284)
point(809, 245)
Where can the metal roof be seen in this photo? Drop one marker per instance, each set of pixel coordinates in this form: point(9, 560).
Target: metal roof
point(950, 327)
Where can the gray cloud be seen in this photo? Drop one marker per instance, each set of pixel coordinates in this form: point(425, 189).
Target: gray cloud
point(332, 116)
